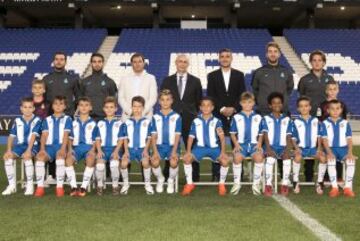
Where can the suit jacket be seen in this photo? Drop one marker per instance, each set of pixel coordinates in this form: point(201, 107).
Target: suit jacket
point(188, 106)
point(230, 98)
point(148, 90)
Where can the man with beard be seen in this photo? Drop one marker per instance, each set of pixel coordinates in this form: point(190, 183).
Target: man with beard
point(60, 82)
point(97, 86)
point(270, 78)
point(225, 86)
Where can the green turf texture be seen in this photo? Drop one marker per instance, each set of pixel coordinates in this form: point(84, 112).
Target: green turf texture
point(202, 216)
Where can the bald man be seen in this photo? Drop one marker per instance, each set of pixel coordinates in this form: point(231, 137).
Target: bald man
point(187, 93)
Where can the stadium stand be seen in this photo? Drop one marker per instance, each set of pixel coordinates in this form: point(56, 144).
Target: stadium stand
point(343, 57)
point(25, 53)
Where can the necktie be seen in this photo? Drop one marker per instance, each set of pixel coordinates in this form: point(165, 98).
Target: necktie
point(180, 86)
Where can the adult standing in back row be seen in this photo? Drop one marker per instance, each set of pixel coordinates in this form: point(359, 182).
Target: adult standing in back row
point(272, 77)
point(313, 84)
point(97, 86)
point(61, 82)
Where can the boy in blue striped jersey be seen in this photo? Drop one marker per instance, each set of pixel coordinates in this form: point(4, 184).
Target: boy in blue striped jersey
point(25, 130)
point(166, 133)
point(277, 129)
point(246, 136)
point(53, 144)
point(207, 131)
point(306, 134)
point(81, 146)
point(137, 134)
point(337, 141)
point(109, 141)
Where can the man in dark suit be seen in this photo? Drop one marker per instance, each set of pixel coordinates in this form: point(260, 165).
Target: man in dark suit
point(187, 93)
point(225, 86)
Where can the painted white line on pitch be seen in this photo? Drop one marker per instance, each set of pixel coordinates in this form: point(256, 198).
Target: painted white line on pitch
point(319, 230)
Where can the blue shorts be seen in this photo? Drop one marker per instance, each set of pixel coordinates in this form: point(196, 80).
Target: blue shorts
point(108, 151)
point(308, 152)
point(18, 150)
point(51, 151)
point(136, 154)
point(200, 152)
point(165, 151)
point(248, 149)
point(340, 153)
point(80, 152)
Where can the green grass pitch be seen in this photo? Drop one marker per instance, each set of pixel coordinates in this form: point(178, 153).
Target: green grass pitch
point(202, 216)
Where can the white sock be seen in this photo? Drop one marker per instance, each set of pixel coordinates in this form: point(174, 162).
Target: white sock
point(269, 166)
point(321, 172)
point(286, 171)
point(115, 172)
point(296, 171)
point(332, 173)
point(223, 174)
point(60, 172)
point(87, 177)
point(258, 169)
point(350, 171)
point(99, 173)
point(40, 173)
point(147, 175)
point(188, 173)
point(125, 175)
point(10, 172)
point(158, 173)
point(173, 172)
point(29, 172)
point(70, 173)
point(237, 168)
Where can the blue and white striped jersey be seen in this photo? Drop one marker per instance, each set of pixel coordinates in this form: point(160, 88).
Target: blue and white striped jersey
point(204, 131)
point(277, 128)
point(137, 132)
point(22, 130)
point(109, 132)
point(337, 132)
point(247, 128)
point(306, 132)
point(166, 127)
point(83, 132)
point(56, 127)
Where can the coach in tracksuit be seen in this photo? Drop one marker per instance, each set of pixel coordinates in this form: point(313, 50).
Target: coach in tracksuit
point(272, 77)
point(60, 82)
point(97, 86)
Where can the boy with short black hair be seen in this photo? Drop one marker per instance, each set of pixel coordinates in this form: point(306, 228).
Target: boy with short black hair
point(137, 134)
point(307, 143)
point(207, 131)
point(277, 138)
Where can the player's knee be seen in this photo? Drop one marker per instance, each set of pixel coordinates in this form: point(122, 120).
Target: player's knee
point(258, 158)
point(114, 164)
point(69, 162)
point(100, 166)
point(173, 163)
point(41, 157)
point(145, 163)
point(90, 162)
point(238, 159)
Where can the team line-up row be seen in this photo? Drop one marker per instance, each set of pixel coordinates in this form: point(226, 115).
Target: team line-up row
point(149, 141)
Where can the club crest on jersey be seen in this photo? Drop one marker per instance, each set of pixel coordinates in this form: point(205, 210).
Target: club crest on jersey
point(342, 125)
point(89, 127)
point(103, 83)
point(66, 81)
point(117, 125)
point(144, 124)
point(172, 119)
point(282, 75)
